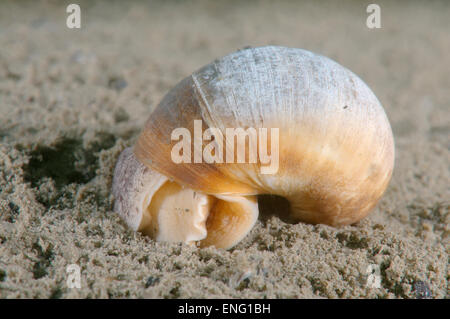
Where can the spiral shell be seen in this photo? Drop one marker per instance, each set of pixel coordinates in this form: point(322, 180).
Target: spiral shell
point(335, 144)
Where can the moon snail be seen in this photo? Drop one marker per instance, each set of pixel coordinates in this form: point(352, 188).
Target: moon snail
point(335, 149)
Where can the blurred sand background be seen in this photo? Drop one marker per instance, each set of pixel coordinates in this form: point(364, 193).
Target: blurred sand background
point(71, 100)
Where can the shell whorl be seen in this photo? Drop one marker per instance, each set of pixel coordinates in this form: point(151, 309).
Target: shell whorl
point(335, 142)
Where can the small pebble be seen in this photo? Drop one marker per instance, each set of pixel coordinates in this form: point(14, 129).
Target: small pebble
point(117, 83)
point(151, 281)
point(422, 290)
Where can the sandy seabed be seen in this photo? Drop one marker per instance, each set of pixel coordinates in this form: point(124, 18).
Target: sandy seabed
point(71, 100)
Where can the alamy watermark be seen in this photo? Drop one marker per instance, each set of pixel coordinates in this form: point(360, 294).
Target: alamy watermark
point(374, 276)
point(259, 141)
point(73, 20)
point(73, 276)
point(374, 19)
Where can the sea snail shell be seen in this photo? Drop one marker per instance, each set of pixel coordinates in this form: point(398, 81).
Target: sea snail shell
point(336, 149)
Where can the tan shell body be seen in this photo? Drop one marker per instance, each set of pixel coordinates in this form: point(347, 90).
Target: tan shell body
point(336, 149)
